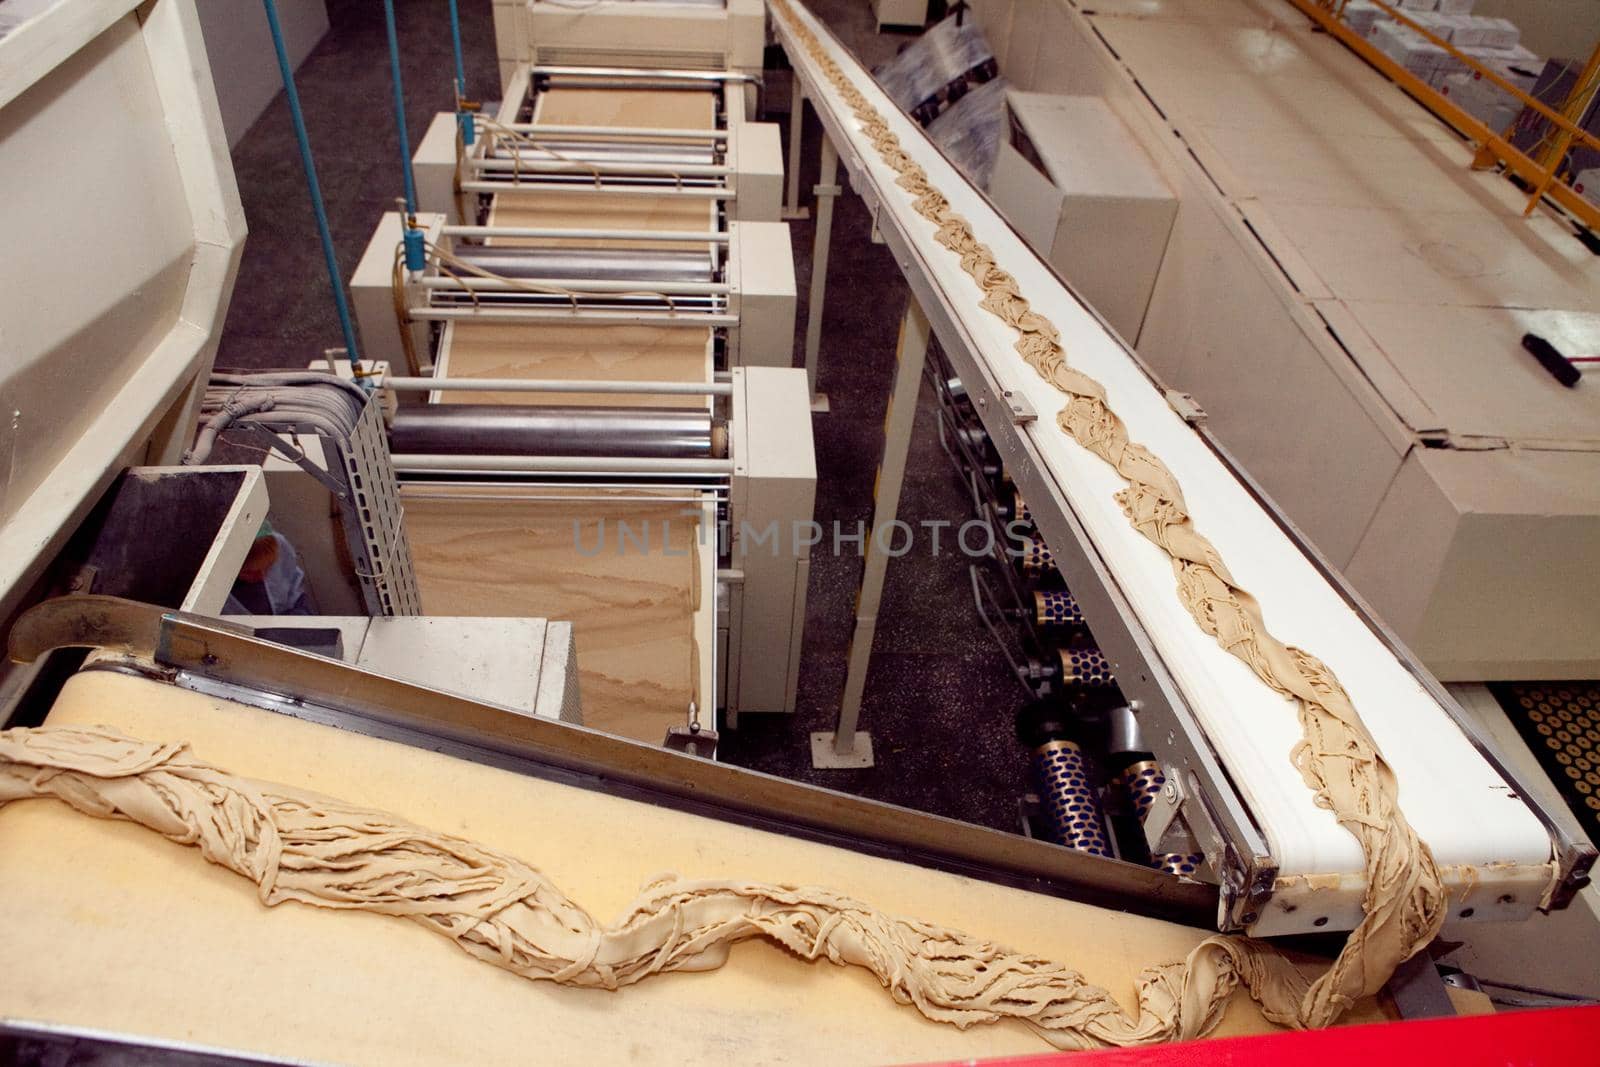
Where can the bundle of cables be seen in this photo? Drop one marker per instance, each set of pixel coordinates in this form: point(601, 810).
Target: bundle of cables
point(278, 402)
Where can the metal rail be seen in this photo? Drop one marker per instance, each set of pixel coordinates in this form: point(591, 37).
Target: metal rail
point(654, 188)
point(545, 233)
point(525, 314)
point(215, 657)
point(531, 385)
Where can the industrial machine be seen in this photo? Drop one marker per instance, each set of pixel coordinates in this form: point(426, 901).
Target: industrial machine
point(554, 515)
point(606, 132)
point(723, 35)
point(1229, 801)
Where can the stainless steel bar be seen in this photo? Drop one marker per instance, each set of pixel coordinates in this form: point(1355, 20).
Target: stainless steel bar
point(607, 318)
point(609, 133)
point(600, 152)
point(532, 163)
point(546, 233)
point(532, 385)
point(558, 430)
point(633, 74)
point(466, 283)
point(337, 695)
point(633, 265)
point(610, 465)
point(602, 189)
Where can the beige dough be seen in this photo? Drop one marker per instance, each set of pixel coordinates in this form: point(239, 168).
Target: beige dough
point(566, 210)
point(657, 109)
point(300, 846)
point(128, 932)
point(566, 352)
point(520, 552)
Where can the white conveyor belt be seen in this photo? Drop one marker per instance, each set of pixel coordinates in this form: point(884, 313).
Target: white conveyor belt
point(1480, 832)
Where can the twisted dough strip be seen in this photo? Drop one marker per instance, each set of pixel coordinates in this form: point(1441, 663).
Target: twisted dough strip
point(299, 846)
point(1404, 901)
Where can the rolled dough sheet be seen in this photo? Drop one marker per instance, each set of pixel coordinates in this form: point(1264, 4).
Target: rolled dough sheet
point(577, 353)
point(113, 927)
point(656, 109)
point(610, 211)
point(513, 552)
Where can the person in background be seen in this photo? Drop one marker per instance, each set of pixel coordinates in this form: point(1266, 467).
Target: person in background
point(271, 580)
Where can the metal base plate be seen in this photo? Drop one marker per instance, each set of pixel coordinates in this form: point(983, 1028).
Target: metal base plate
point(819, 403)
point(827, 758)
point(788, 215)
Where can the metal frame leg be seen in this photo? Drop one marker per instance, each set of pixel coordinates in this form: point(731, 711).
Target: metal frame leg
point(827, 191)
point(797, 119)
point(846, 746)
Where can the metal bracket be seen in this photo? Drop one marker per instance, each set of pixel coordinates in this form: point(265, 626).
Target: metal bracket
point(1187, 407)
point(1022, 411)
point(692, 739)
point(273, 442)
point(1164, 812)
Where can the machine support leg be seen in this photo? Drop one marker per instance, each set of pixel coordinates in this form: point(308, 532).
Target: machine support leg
point(797, 119)
point(827, 191)
point(847, 746)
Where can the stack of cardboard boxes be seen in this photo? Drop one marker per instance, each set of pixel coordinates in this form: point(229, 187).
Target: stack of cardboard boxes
point(1494, 42)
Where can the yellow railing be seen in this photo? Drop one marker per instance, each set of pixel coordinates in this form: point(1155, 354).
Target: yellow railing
point(1544, 177)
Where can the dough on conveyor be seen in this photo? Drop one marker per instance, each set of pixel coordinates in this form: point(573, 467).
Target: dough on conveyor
point(300, 846)
point(1405, 901)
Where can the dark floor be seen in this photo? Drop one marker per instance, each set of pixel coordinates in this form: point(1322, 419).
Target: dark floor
point(939, 697)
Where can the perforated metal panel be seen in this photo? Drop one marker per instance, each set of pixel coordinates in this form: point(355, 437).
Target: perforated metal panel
point(388, 581)
point(1070, 807)
point(1560, 721)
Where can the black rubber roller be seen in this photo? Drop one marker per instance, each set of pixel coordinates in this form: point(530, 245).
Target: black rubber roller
point(1552, 360)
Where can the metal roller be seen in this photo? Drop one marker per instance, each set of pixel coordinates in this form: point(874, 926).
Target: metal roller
point(1086, 667)
point(596, 264)
point(502, 430)
point(1056, 607)
point(1070, 808)
point(1034, 555)
point(604, 151)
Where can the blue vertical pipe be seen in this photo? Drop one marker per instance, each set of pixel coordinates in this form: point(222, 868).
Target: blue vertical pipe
point(416, 258)
point(346, 326)
point(463, 116)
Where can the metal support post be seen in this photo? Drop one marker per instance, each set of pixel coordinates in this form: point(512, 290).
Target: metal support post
point(846, 746)
point(827, 190)
point(797, 118)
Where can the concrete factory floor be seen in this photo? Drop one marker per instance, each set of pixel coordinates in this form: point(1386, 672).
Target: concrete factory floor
point(939, 696)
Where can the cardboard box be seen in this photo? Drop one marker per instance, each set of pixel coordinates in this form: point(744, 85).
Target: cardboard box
point(1497, 32)
point(1587, 185)
point(1094, 206)
point(1419, 56)
point(1362, 16)
point(1519, 65)
point(1441, 26)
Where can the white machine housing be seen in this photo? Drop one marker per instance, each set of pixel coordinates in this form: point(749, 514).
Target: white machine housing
point(759, 271)
point(714, 35)
point(105, 354)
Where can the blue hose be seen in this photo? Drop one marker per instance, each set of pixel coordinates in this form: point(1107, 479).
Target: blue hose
point(416, 257)
point(463, 116)
point(346, 326)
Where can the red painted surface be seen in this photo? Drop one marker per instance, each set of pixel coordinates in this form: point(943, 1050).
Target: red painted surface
point(1554, 1037)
